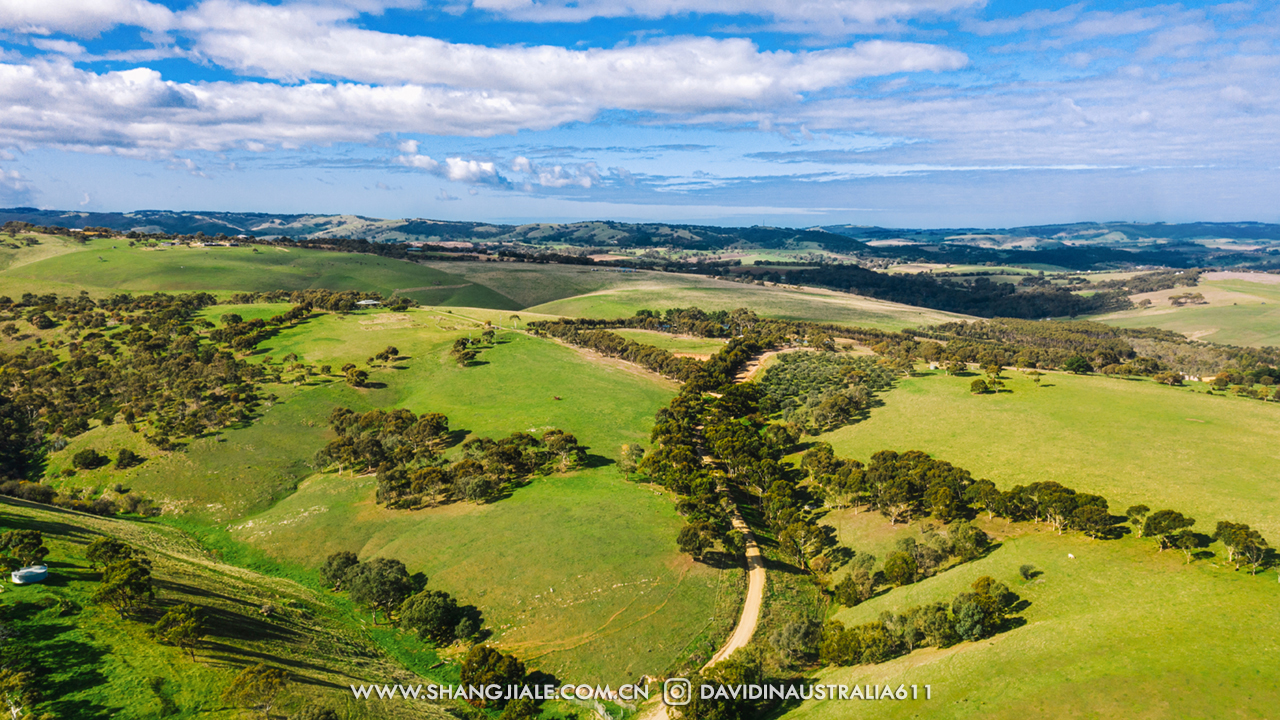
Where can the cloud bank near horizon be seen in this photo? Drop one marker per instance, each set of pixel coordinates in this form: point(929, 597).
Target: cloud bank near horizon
point(510, 105)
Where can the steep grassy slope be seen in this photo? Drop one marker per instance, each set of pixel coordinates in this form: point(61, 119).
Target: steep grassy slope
point(101, 665)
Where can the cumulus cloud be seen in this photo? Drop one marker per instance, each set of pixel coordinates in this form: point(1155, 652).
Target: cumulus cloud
point(84, 18)
point(456, 169)
point(583, 175)
point(444, 196)
point(296, 43)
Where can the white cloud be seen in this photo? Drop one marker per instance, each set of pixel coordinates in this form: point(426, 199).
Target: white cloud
point(83, 18)
point(409, 147)
point(1034, 20)
point(444, 196)
point(14, 189)
point(455, 168)
point(295, 43)
point(470, 171)
point(816, 15)
point(62, 47)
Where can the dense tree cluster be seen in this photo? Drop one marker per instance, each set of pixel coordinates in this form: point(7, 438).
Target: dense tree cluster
point(140, 359)
point(980, 297)
point(969, 616)
point(822, 391)
point(901, 486)
point(385, 584)
point(405, 450)
point(330, 300)
point(1119, 351)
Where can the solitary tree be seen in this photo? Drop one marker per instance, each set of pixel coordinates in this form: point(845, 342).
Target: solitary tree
point(900, 568)
point(1077, 365)
point(433, 614)
point(693, 540)
point(629, 459)
point(484, 665)
point(182, 626)
point(21, 547)
point(336, 566)
point(107, 550)
point(979, 387)
point(126, 586)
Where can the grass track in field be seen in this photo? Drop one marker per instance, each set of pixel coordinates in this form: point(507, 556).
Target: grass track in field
point(578, 574)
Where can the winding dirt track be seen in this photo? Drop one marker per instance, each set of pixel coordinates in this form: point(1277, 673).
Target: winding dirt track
point(750, 616)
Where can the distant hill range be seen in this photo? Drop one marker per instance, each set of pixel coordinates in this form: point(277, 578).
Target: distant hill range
point(1077, 245)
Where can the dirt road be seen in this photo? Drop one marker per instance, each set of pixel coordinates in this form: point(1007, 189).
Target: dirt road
point(750, 616)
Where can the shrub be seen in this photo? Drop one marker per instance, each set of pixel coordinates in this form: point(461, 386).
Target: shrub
point(89, 459)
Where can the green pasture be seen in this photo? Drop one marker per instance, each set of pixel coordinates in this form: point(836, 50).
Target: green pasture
point(1239, 313)
point(532, 284)
point(1211, 457)
point(100, 664)
point(110, 265)
point(663, 292)
point(1112, 629)
point(677, 344)
point(578, 575)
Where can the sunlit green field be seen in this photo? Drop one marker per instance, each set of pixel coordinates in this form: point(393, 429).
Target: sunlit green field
point(606, 546)
point(1238, 313)
point(102, 266)
point(692, 345)
point(1113, 629)
point(1211, 457)
point(679, 291)
point(102, 665)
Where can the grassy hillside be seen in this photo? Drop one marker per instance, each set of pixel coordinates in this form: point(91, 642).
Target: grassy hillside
point(662, 292)
point(101, 664)
point(1113, 629)
point(606, 546)
point(1211, 457)
point(1237, 312)
point(100, 266)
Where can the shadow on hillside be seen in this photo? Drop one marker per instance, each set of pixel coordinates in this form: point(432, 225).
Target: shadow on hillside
point(49, 527)
point(597, 461)
point(78, 665)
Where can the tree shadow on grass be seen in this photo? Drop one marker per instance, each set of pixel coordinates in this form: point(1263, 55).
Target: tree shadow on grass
point(219, 654)
point(75, 668)
point(597, 461)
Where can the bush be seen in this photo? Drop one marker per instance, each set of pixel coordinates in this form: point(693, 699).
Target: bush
point(127, 458)
point(89, 459)
point(978, 387)
point(1027, 571)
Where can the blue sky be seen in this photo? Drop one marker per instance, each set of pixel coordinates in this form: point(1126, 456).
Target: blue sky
point(906, 113)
